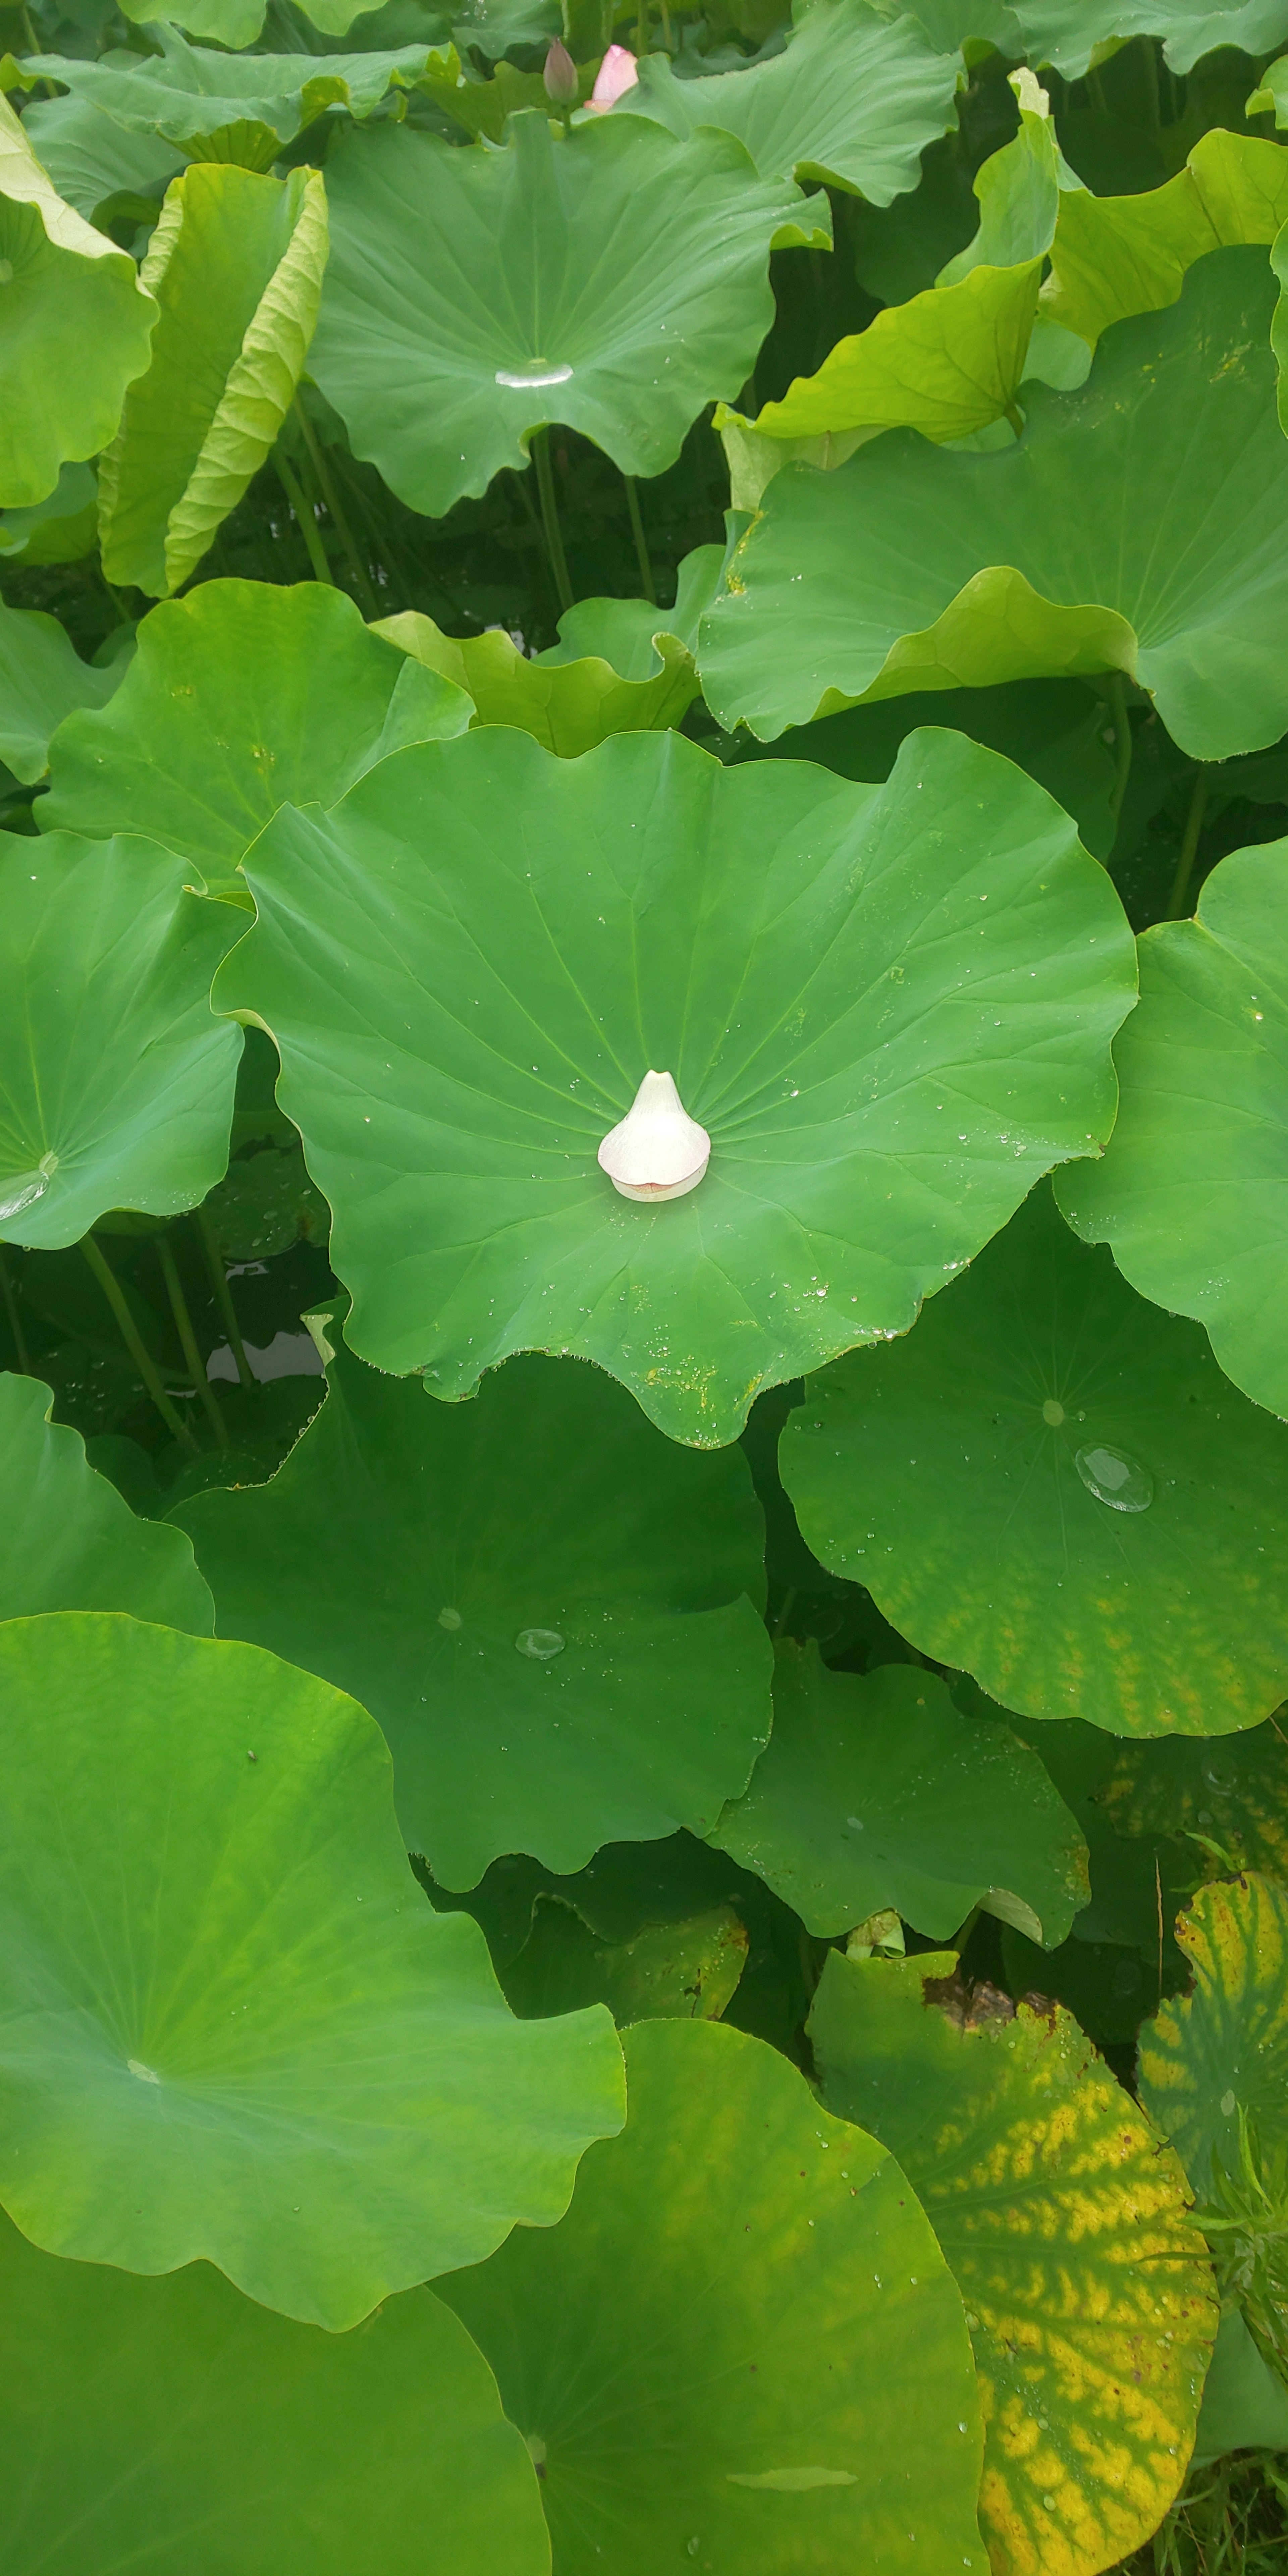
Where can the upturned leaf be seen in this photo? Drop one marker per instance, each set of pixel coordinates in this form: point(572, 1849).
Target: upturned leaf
point(1051, 1484)
point(75, 324)
point(910, 568)
point(489, 1577)
point(614, 279)
point(1192, 1195)
point(172, 2421)
point(190, 96)
point(116, 1079)
point(820, 966)
point(70, 1541)
point(832, 2425)
point(235, 265)
point(223, 1987)
point(1114, 256)
point(92, 159)
point(1063, 2219)
point(1069, 34)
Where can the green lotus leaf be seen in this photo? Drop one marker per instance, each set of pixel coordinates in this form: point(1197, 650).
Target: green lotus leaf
point(1052, 1484)
point(42, 678)
point(1245, 2407)
point(909, 568)
point(951, 360)
point(1270, 97)
point(614, 279)
point(70, 1541)
point(977, 26)
point(187, 94)
point(242, 697)
point(682, 2408)
point(91, 159)
point(875, 1791)
point(172, 2424)
point(76, 325)
point(853, 99)
point(688, 1971)
point(769, 935)
point(1222, 2050)
point(265, 1203)
point(1068, 34)
point(482, 106)
point(1231, 1797)
point(116, 1080)
point(236, 267)
point(486, 1576)
point(1063, 2220)
point(496, 27)
point(1192, 1196)
point(61, 529)
point(1114, 256)
point(236, 23)
point(222, 1987)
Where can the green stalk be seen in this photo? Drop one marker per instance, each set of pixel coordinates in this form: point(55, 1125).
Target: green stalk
point(305, 521)
point(191, 1353)
point(143, 1362)
point(326, 486)
point(641, 541)
point(15, 1319)
point(1122, 743)
point(1189, 845)
point(550, 515)
point(223, 1295)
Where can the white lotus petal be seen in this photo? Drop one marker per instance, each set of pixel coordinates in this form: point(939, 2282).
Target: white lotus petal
point(657, 1151)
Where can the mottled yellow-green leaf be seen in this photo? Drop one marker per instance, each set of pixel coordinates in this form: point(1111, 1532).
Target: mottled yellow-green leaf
point(1232, 1796)
point(1118, 255)
point(1224, 2048)
point(1063, 2218)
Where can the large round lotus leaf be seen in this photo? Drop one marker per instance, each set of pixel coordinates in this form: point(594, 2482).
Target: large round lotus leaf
point(913, 568)
point(187, 93)
point(1066, 33)
point(1063, 2219)
point(1231, 1798)
point(616, 280)
point(485, 1577)
point(70, 1542)
point(1051, 1483)
point(116, 1079)
point(1192, 1196)
point(221, 1987)
point(42, 678)
point(75, 324)
point(715, 2366)
point(854, 98)
point(875, 1791)
point(835, 975)
point(243, 697)
point(170, 2424)
point(1223, 2049)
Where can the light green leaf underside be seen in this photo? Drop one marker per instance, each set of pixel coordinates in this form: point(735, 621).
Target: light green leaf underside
point(854, 98)
point(70, 1541)
point(621, 277)
point(1115, 256)
point(685, 2404)
point(230, 2025)
point(1224, 2048)
point(170, 2422)
point(687, 1971)
point(42, 678)
point(1063, 2220)
point(187, 94)
point(910, 568)
point(75, 325)
point(116, 1080)
point(543, 1602)
point(1192, 1195)
point(242, 697)
point(236, 267)
point(1144, 1589)
point(1067, 33)
point(463, 1016)
point(876, 1792)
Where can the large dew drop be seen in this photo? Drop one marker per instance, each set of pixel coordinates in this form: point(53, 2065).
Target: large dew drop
point(1115, 1478)
point(24, 1188)
point(657, 1151)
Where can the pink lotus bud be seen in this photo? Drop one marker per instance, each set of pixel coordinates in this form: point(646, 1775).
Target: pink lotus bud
point(617, 73)
point(560, 75)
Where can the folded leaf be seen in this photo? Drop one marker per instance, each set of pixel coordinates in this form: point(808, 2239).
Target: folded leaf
point(1118, 255)
point(187, 94)
point(1069, 34)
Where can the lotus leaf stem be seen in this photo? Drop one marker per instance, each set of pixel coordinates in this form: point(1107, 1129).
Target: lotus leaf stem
point(550, 515)
point(1189, 844)
point(305, 520)
point(1122, 744)
point(223, 1294)
point(21, 1351)
point(188, 1338)
point(129, 1331)
point(641, 541)
point(335, 507)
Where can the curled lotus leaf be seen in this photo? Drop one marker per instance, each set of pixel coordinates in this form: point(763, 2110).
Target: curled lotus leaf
point(462, 1017)
point(1051, 1484)
point(1114, 256)
point(1069, 34)
point(1192, 1195)
point(91, 159)
point(71, 1542)
point(42, 678)
point(1064, 2221)
point(831, 2426)
point(223, 1989)
point(188, 94)
point(234, 24)
point(912, 568)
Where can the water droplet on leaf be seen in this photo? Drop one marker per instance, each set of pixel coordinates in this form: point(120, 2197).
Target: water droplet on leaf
point(541, 1643)
point(1115, 1478)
